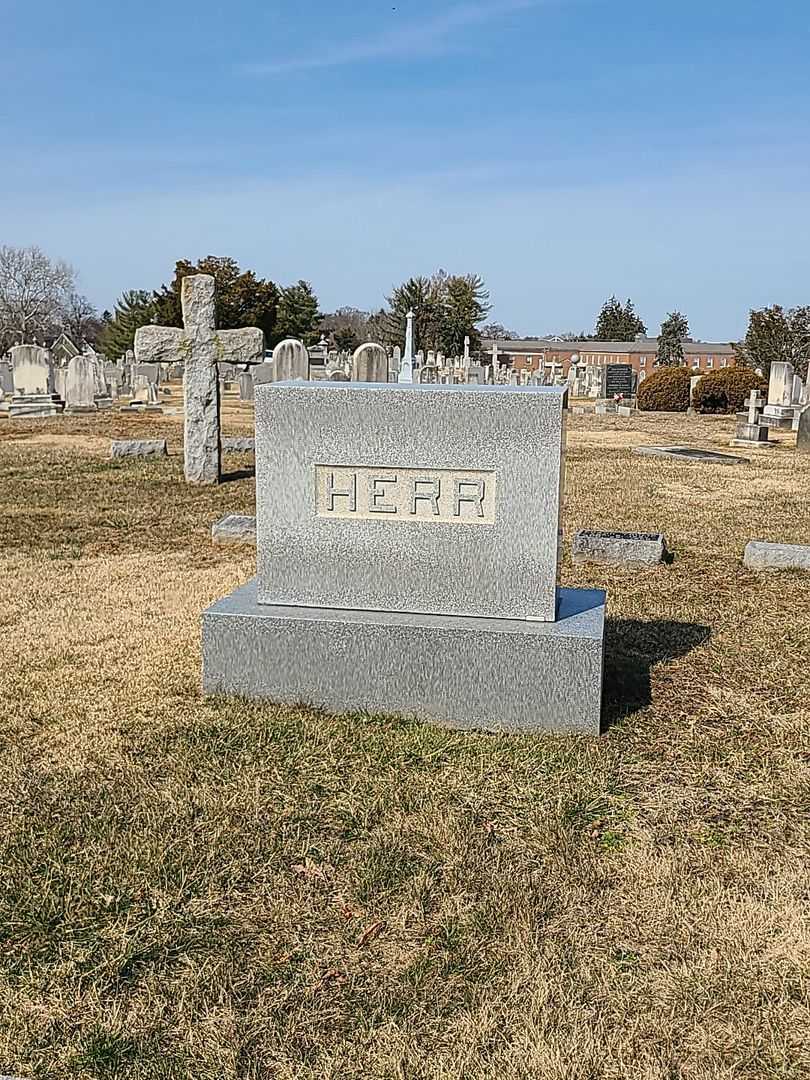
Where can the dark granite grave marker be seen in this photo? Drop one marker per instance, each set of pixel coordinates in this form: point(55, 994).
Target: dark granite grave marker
point(618, 380)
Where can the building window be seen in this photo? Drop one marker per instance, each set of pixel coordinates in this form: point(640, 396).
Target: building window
point(696, 363)
point(724, 362)
point(642, 361)
point(710, 362)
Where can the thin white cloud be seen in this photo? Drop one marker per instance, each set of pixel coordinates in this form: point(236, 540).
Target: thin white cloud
point(405, 40)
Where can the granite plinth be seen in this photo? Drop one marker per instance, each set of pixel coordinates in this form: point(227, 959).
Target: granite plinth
point(139, 448)
point(617, 548)
point(33, 405)
point(474, 673)
point(234, 529)
point(427, 498)
point(238, 444)
point(760, 555)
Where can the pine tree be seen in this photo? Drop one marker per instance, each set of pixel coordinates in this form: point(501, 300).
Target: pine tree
point(447, 308)
point(135, 308)
point(298, 315)
point(674, 331)
point(618, 322)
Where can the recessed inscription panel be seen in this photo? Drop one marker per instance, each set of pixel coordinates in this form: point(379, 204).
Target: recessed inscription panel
point(362, 492)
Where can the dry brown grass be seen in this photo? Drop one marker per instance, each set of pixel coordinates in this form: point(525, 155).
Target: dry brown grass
point(213, 889)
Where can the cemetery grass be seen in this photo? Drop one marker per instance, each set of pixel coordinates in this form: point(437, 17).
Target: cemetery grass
point(216, 889)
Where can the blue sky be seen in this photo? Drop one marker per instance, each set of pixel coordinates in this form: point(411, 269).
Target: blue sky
point(564, 149)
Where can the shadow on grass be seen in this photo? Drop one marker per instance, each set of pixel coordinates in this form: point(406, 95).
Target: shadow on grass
point(632, 647)
point(237, 474)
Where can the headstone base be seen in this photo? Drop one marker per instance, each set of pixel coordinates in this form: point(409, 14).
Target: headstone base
point(472, 673)
point(778, 416)
point(35, 405)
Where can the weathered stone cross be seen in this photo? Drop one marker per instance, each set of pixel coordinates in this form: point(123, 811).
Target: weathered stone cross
point(754, 402)
point(200, 347)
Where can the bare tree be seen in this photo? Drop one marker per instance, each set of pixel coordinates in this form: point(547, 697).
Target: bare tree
point(80, 320)
point(33, 293)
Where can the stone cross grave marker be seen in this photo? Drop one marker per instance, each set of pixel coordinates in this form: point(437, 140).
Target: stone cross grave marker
point(408, 541)
point(200, 346)
point(754, 404)
point(370, 364)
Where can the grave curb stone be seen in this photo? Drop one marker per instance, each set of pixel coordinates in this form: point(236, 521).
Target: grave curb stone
point(761, 555)
point(139, 448)
point(234, 529)
point(617, 549)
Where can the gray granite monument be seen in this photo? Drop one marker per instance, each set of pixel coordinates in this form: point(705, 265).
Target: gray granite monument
point(201, 346)
point(408, 543)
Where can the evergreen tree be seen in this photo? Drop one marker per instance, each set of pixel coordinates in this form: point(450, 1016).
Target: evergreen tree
point(447, 308)
point(674, 331)
point(466, 304)
point(776, 334)
point(242, 298)
point(618, 322)
point(133, 309)
point(298, 315)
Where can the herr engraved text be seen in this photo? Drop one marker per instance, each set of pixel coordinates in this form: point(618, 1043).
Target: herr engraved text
point(457, 496)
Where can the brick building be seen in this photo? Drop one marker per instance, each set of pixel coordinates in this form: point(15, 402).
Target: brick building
point(530, 354)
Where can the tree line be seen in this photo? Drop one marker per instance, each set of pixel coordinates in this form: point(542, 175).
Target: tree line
point(39, 299)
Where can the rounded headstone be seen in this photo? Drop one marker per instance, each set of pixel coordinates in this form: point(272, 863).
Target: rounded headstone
point(290, 360)
point(370, 364)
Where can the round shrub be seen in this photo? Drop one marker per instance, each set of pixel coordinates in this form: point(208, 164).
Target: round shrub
point(726, 391)
point(665, 390)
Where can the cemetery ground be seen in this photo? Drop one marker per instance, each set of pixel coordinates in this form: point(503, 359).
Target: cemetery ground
point(219, 889)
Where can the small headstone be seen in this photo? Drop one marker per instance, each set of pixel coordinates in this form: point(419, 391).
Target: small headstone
point(138, 448)
point(238, 444)
point(618, 548)
point(764, 556)
point(262, 373)
point(234, 529)
point(246, 386)
point(290, 360)
point(370, 364)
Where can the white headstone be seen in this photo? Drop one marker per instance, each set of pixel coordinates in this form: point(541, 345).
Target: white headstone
point(370, 364)
point(290, 360)
point(80, 385)
point(780, 387)
point(32, 370)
